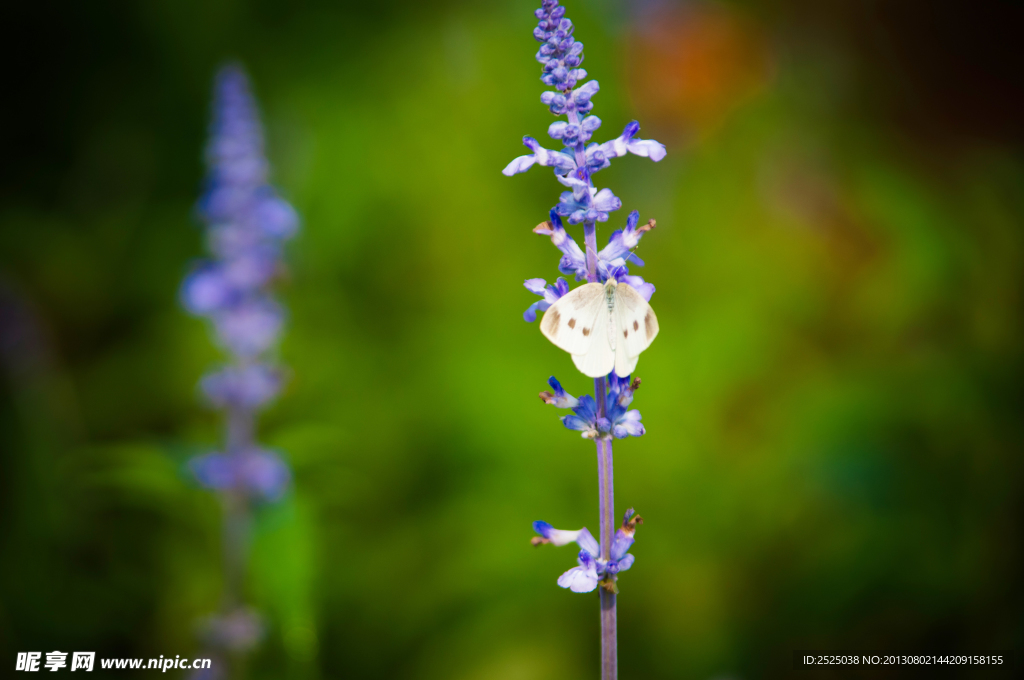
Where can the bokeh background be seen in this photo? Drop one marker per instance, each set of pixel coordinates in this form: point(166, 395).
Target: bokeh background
point(833, 456)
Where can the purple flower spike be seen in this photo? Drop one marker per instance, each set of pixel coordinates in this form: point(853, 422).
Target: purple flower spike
point(604, 415)
point(560, 54)
point(246, 224)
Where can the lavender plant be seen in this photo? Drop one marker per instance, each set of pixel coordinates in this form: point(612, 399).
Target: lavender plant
point(604, 416)
point(246, 225)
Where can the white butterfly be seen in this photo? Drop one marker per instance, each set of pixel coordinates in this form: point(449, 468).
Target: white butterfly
point(602, 326)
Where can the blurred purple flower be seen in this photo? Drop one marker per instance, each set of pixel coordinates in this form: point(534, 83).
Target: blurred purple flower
point(251, 328)
point(247, 223)
point(247, 387)
point(246, 226)
point(238, 630)
point(255, 473)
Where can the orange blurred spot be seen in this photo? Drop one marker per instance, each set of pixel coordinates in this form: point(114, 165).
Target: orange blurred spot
point(688, 67)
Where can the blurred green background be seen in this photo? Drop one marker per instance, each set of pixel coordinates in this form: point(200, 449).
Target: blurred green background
point(833, 456)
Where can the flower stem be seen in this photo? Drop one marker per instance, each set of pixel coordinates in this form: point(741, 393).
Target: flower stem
point(606, 493)
point(606, 488)
point(240, 434)
point(590, 243)
point(235, 540)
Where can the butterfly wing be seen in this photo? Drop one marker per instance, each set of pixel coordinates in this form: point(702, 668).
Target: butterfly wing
point(570, 322)
point(635, 326)
point(599, 358)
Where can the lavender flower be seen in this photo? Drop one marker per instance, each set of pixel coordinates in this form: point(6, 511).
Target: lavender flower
point(604, 416)
point(247, 224)
point(574, 165)
point(592, 567)
point(550, 293)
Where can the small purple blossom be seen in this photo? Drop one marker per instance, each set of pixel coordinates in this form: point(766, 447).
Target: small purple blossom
point(540, 156)
point(559, 537)
point(573, 260)
point(585, 203)
point(591, 568)
point(618, 422)
point(626, 143)
point(624, 423)
point(549, 292)
point(559, 397)
point(619, 250)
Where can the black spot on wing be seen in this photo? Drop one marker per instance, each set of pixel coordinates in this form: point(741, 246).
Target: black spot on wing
point(586, 332)
point(636, 325)
point(649, 324)
point(625, 333)
point(572, 323)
